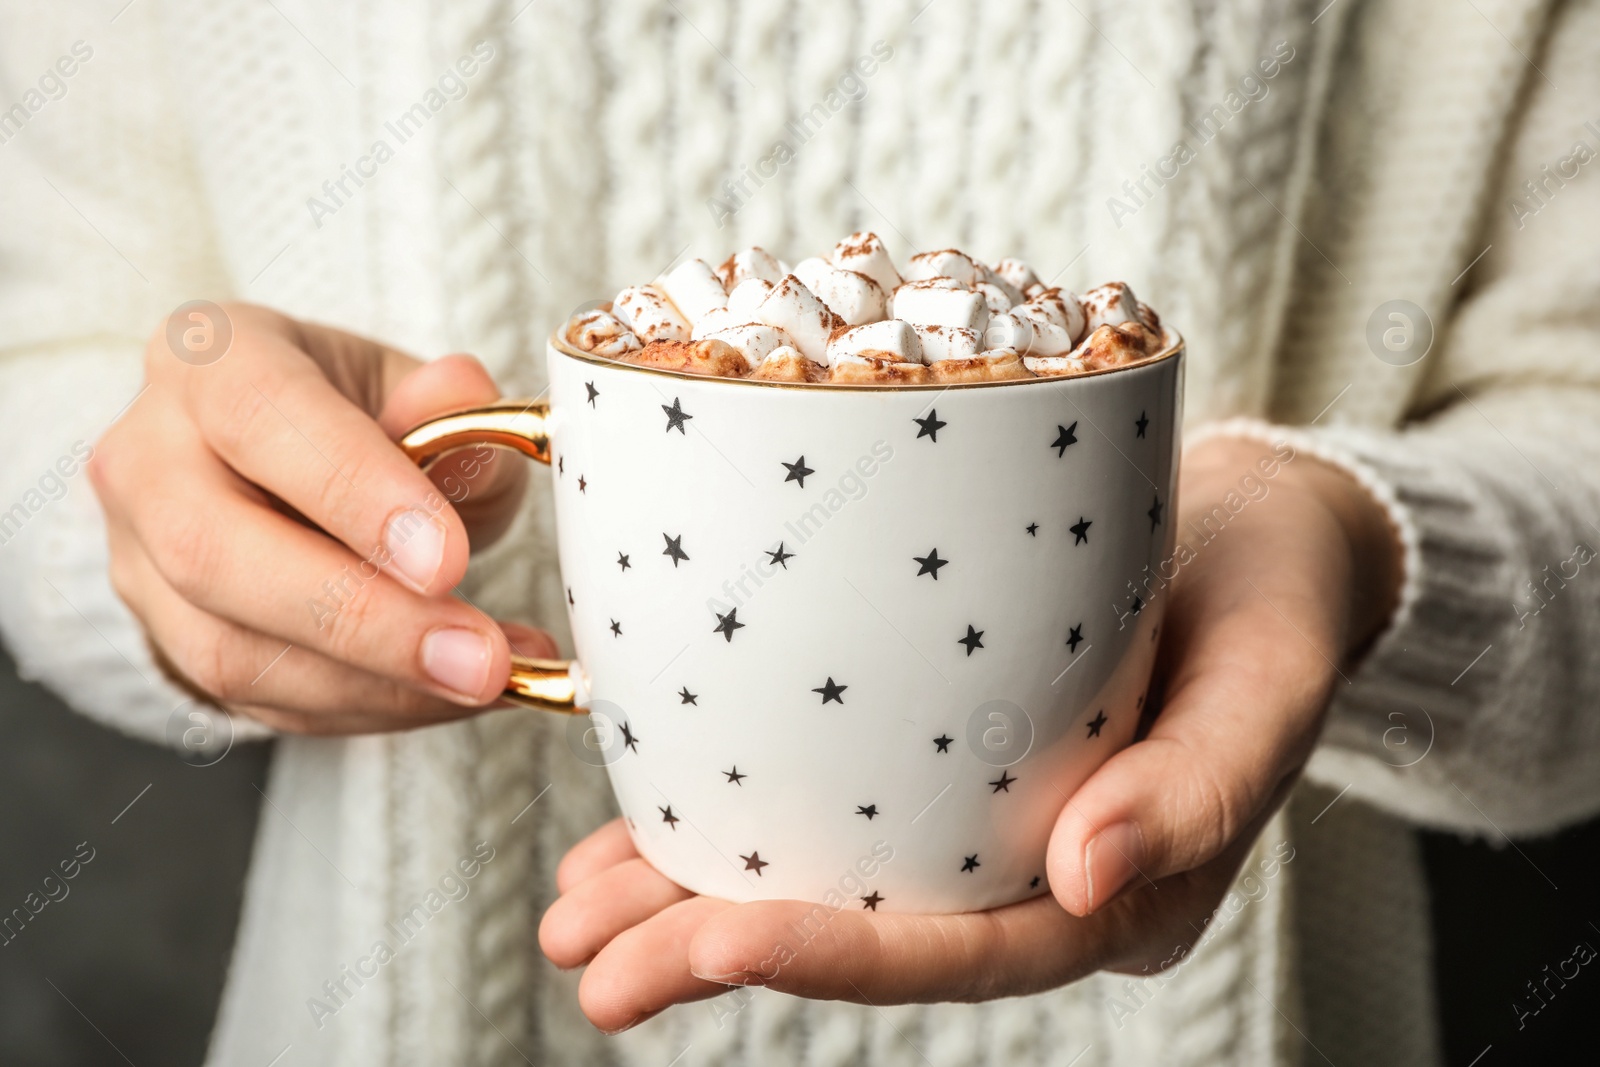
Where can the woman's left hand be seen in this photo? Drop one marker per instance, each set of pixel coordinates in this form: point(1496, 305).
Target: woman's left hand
point(1141, 854)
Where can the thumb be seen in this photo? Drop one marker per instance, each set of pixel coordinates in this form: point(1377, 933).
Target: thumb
point(417, 391)
point(1228, 743)
point(529, 641)
point(484, 484)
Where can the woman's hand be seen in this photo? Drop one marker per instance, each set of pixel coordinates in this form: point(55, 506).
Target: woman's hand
point(1259, 621)
point(285, 558)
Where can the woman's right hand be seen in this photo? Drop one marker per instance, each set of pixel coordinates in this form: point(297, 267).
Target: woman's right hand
point(285, 557)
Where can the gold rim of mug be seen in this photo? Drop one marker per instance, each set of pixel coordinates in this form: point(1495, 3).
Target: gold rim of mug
point(1173, 349)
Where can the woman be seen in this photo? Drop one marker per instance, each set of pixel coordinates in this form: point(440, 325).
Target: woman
point(1272, 176)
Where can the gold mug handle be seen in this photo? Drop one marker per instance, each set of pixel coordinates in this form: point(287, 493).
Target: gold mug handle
point(520, 425)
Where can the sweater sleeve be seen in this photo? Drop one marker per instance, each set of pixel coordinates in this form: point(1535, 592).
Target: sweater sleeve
point(101, 241)
point(1477, 708)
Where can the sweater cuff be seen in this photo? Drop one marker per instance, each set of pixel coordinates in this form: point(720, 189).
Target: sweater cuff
point(1415, 692)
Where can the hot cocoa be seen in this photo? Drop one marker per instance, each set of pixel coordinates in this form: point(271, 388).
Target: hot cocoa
point(854, 318)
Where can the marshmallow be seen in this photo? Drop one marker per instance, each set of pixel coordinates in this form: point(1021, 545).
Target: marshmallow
point(934, 303)
point(695, 288)
point(1064, 309)
point(1111, 304)
point(744, 298)
point(948, 342)
point(1112, 346)
point(784, 364)
point(810, 271)
point(995, 365)
point(715, 321)
point(928, 283)
point(870, 370)
point(619, 346)
point(1008, 329)
point(1151, 319)
point(1048, 306)
point(994, 296)
point(753, 340)
point(1018, 273)
point(864, 253)
point(1151, 341)
point(853, 297)
point(646, 311)
point(987, 275)
point(1028, 330)
point(890, 339)
point(946, 263)
point(710, 356)
point(600, 332)
point(1044, 338)
point(792, 307)
point(1054, 366)
point(753, 262)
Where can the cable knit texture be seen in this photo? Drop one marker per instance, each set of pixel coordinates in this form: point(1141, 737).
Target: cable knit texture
point(596, 144)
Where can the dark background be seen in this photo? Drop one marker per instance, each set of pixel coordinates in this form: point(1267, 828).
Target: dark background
point(128, 967)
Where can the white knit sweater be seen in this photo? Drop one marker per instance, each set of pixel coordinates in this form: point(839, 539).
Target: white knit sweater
point(1385, 161)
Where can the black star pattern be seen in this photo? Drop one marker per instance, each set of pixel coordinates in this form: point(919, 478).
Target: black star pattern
point(972, 639)
point(798, 471)
point(872, 901)
point(930, 426)
point(734, 776)
point(687, 697)
point(570, 602)
point(943, 741)
point(561, 464)
point(1137, 606)
point(616, 628)
point(970, 864)
point(1155, 514)
point(593, 392)
point(674, 549)
point(780, 557)
point(628, 740)
point(676, 416)
point(754, 862)
point(1141, 422)
point(622, 560)
point(1033, 529)
point(583, 486)
point(726, 624)
point(1075, 638)
point(667, 817)
point(1004, 782)
point(831, 691)
point(1035, 883)
point(869, 811)
point(930, 563)
point(1096, 723)
point(1080, 530)
point(1067, 436)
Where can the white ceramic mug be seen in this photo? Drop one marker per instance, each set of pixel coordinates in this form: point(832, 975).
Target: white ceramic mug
point(848, 644)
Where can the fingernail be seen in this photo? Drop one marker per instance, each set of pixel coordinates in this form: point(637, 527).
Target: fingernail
point(737, 978)
point(415, 543)
point(1110, 860)
point(630, 1024)
point(458, 660)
